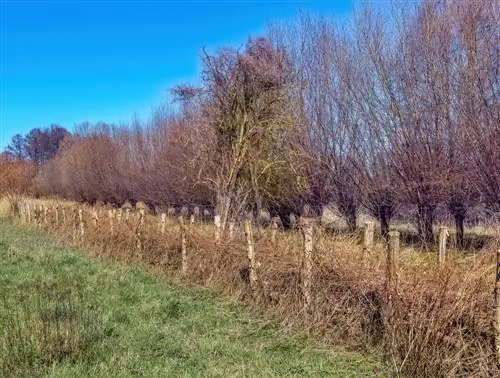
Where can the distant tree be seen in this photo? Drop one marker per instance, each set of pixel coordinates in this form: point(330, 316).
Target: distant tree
point(17, 147)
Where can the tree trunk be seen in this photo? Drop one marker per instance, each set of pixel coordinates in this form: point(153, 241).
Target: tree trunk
point(459, 225)
point(384, 223)
point(351, 220)
point(425, 222)
point(348, 210)
point(459, 211)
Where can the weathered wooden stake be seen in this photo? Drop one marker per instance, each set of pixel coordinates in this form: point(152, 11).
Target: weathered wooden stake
point(251, 256)
point(75, 224)
point(138, 232)
point(184, 261)
point(307, 261)
point(40, 215)
point(127, 214)
point(217, 228)
point(56, 212)
point(368, 237)
point(119, 215)
point(163, 222)
point(497, 309)
point(80, 218)
point(141, 217)
point(64, 215)
point(28, 210)
point(392, 265)
point(232, 227)
point(274, 230)
point(111, 221)
point(196, 213)
point(95, 217)
point(443, 233)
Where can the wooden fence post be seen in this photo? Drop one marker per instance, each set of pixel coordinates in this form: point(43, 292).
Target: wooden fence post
point(28, 210)
point(40, 215)
point(232, 227)
point(443, 233)
point(119, 215)
point(184, 261)
point(274, 230)
point(217, 228)
point(138, 232)
point(368, 237)
point(82, 227)
point(56, 211)
point(163, 222)
point(307, 261)
point(251, 256)
point(75, 223)
point(95, 217)
point(111, 221)
point(127, 214)
point(392, 265)
point(497, 309)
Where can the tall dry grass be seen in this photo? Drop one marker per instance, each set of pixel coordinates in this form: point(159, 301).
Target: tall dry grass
point(439, 323)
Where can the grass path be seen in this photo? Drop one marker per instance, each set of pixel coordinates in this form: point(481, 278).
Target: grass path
point(65, 315)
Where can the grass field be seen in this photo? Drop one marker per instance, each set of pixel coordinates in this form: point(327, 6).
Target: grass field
point(64, 315)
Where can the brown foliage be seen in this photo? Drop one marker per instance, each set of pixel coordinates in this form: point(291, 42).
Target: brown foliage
point(16, 176)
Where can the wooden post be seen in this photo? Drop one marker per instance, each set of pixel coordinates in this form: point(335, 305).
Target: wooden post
point(141, 217)
point(251, 256)
point(443, 233)
point(56, 211)
point(111, 221)
point(127, 214)
point(497, 309)
point(119, 216)
point(196, 213)
point(40, 215)
point(22, 212)
point(138, 232)
point(28, 210)
point(75, 223)
point(163, 222)
point(293, 221)
point(307, 261)
point(368, 237)
point(95, 217)
point(392, 265)
point(274, 230)
point(217, 228)
point(64, 215)
point(80, 218)
point(184, 260)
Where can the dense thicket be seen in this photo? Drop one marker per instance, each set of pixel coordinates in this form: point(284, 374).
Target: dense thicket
point(386, 112)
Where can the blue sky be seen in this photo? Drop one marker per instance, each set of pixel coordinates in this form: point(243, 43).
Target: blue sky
point(68, 62)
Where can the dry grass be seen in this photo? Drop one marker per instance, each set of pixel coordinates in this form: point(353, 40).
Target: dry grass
point(439, 323)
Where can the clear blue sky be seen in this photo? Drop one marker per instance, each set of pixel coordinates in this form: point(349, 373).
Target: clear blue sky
point(67, 62)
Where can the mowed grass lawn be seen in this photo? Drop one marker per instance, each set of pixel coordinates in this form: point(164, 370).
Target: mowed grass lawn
point(63, 314)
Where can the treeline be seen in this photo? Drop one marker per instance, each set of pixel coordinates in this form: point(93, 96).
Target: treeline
point(379, 114)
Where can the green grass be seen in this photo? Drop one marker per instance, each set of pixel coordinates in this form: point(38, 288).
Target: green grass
point(65, 315)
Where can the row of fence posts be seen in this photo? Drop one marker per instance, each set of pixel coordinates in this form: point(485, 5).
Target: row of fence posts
point(39, 215)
